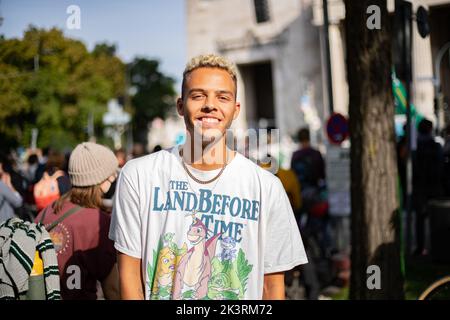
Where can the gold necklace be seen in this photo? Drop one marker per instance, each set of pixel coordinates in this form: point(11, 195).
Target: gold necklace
point(196, 179)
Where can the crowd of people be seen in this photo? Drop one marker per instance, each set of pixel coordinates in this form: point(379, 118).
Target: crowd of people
point(304, 183)
point(45, 184)
point(119, 223)
point(39, 170)
point(137, 245)
point(36, 178)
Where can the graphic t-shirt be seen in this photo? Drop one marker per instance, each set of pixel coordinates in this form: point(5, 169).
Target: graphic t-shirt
point(204, 241)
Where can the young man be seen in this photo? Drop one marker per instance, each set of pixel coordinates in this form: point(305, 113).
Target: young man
point(201, 221)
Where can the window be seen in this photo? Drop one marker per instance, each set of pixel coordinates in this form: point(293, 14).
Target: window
point(261, 11)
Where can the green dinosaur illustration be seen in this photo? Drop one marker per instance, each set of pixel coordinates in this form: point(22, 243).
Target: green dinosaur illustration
point(188, 295)
point(243, 270)
point(229, 274)
point(229, 278)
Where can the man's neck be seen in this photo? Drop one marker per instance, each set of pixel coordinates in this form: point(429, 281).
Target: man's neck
point(207, 156)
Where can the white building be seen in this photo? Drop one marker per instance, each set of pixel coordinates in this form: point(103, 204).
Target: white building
point(277, 51)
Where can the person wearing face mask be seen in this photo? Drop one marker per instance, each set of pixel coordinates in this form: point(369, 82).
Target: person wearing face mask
point(85, 254)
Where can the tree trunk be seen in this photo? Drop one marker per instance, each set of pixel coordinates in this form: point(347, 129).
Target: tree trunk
point(375, 207)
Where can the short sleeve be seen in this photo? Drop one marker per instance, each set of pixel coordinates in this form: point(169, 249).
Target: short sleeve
point(283, 246)
point(125, 228)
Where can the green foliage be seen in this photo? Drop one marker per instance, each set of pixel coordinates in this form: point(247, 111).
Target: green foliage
point(151, 268)
point(229, 278)
point(230, 295)
point(13, 104)
point(164, 292)
point(104, 49)
point(155, 95)
point(52, 83)
point(244, 269)
point(188, 294)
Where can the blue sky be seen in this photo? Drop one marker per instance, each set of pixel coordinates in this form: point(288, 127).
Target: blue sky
point(151, 28)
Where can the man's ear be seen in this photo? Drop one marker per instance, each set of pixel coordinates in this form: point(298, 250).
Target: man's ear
point(237, 109)
point(180, 108)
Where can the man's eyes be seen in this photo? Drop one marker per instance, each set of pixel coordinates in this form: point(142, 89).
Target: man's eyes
point(223, 98)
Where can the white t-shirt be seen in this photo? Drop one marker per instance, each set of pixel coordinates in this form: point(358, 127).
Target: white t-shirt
point(204, 241)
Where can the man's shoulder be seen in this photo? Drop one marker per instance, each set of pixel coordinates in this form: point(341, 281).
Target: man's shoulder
point(247, 166)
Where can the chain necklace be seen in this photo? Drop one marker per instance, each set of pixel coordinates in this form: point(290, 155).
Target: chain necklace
point(201, 181)
point(195, 178)
point(193, 213)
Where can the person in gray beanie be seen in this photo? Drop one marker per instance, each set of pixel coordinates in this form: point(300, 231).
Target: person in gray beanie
point(81, 239)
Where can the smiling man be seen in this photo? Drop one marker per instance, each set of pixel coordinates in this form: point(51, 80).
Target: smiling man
point(200, 221)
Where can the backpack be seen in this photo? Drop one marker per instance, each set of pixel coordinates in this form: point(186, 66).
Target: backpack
point(46, 190)
point(28, 261)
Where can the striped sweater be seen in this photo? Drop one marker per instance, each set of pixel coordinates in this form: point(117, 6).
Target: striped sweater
point(19, 241)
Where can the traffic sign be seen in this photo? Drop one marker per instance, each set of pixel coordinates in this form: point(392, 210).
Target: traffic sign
point(337, 128)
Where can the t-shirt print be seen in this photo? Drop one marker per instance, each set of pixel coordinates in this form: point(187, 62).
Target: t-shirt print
point(209, 265)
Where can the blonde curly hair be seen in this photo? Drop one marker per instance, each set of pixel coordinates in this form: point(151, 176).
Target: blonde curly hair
point(209, 61)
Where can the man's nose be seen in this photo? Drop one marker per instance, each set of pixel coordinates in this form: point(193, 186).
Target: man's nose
point(209, 105)
point(207, 108)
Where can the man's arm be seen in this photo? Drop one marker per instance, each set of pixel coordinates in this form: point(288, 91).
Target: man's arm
point(274, 286)
point(130, 275)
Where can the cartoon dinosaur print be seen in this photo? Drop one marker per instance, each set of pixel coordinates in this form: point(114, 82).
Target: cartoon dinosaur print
point(194, 269)
point(225, 283)
point(165, 270)
point(228, 245)
point(166, 261)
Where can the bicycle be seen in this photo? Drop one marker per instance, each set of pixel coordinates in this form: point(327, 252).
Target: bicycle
point(438, 290)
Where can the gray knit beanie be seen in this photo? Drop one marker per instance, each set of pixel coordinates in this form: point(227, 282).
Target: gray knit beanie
point(91, 164)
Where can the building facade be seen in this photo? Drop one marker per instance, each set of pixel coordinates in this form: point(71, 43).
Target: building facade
point(277, 52)
point(279, 49)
